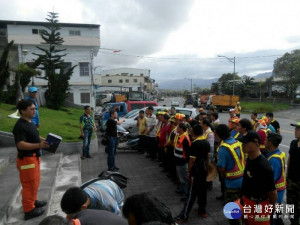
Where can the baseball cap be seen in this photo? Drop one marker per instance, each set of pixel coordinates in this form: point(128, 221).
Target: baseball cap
point(250, 136)
point(235, 120)
point(297, 125)
point(32, 89)
point(231, 110)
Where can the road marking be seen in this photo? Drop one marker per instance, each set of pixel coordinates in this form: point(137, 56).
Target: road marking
point(286, 131)
point(284, 146)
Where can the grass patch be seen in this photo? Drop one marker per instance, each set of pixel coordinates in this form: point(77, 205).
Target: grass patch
point(262, 107)
point(63, 122)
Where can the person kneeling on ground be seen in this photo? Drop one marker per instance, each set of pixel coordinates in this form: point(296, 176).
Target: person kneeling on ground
point(102, 194)
point(86, 217)
point(143, 208)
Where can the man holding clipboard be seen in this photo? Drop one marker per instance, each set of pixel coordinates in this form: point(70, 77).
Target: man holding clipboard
point(28, 144)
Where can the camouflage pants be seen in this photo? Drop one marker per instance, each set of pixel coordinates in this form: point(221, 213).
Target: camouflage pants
point(230, 196)
point(293, 197)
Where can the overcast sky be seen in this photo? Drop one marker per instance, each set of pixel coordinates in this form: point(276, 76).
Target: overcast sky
point(178, 38)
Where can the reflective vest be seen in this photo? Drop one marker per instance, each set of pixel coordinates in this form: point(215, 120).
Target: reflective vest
point(280, 184)
point(179, 151)
point(263, 145)
point(239, 162)
point(173, 131)
point(159, 125)
point(236, 135)
point(199, 138)
point(206, 135)
point(220, 146)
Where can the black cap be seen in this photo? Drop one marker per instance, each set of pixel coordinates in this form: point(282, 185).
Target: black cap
point(297, 125)
point(250, 136)
point(150, 108)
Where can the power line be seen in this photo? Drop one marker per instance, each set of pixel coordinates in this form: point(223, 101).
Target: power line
point(180, 58)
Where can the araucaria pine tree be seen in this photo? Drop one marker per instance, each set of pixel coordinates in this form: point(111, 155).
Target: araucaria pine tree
point(51, 61)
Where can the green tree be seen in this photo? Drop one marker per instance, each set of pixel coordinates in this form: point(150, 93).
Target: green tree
point(215, 88)
point(26, 73)
point(287, 67)
point(51, 61)
point(22, 79)
point(226, 83)
point(246, 85)
point(4, 68)
point(229, 77)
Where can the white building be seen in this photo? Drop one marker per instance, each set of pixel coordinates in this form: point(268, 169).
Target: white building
point(135, 79)
point(81, 41)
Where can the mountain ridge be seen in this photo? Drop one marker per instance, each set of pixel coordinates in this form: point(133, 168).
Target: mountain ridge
point(185, 84)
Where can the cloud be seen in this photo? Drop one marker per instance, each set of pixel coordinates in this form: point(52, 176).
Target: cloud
point(178, 29)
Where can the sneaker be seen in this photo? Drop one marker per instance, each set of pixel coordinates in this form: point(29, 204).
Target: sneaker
point(90, 157)
point(179, 219)
point(117, 168)
point(39, 204)
point(203, 215)
point(113, 170)
point(34, 213)
point(82, 157)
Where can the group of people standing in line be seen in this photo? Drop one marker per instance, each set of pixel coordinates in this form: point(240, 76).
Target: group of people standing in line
point(251, 167)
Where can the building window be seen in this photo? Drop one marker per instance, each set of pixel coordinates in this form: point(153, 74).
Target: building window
point(124, 74)
point(142, 74)
point(127, 80)
point(131, 74)
point(74, 32)
point(135, 80)
point(120, 81)
point(85, 97)
point(37, 31)
point(67, 66)
point(84, 69)
point(109, 81)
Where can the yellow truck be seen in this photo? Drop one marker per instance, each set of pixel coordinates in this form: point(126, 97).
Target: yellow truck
point(224, 102)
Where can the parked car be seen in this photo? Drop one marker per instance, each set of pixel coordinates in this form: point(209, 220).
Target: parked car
point(175, 103)
point(130, 122)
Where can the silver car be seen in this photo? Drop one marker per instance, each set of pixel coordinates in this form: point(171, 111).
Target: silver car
point(130, 121)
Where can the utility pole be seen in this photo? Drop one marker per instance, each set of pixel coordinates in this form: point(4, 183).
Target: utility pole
point(190, 79)
point(232, 60)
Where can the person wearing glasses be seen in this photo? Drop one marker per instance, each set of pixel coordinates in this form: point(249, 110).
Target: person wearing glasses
point(29, 143)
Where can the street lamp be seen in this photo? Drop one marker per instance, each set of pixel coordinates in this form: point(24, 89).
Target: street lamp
point(191, 79)
point(232, 60)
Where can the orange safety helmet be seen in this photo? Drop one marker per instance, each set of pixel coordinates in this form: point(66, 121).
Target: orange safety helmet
point(179, 116)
